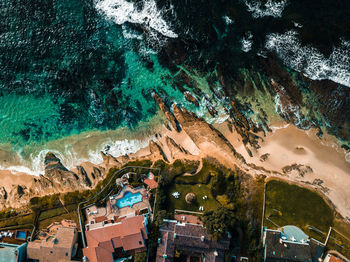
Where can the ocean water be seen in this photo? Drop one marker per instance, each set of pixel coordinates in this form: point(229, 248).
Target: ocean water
point(76, 76)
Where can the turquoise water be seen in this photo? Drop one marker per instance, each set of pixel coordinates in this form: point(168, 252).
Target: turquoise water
point(77, 75)
point(129, 199)
point(21, 234)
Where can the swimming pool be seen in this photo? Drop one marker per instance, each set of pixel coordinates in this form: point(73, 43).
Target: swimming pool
point(129, 199)
point(21, 234)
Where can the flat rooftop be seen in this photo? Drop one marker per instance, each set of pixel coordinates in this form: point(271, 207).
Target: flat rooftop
point(8, 253)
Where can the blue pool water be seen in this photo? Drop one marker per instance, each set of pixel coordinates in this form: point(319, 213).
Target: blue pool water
point(129, 199)
point(21, 234)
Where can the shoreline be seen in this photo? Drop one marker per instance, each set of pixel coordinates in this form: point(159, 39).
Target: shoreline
point(317, 162)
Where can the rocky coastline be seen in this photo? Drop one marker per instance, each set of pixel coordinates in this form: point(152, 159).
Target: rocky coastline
point(236, 143)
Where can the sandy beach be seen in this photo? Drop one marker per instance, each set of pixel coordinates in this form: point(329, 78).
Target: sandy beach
point(322, 159)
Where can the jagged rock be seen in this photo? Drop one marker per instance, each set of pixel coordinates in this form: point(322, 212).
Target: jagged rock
point(288, 108)
point(300, 169)
point(3, 194)
point(239, 117)
point(264, 157)
point(177, 151)
point(157, 151)
point(204, 134)
point(169, 115)
point(53, 162)
point(109, 159)
point(83, 176)
point(191, 98)
point(17, 194)
point(212, 111)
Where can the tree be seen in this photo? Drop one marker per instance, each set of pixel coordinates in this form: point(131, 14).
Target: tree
point(219, 185)
point(140, 257)
point(219, 222)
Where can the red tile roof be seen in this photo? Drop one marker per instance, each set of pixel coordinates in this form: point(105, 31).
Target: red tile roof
point(334, 259)
point(151, 183)
point(129, 234)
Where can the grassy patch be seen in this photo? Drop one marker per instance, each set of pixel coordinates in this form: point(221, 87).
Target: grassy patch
point(20, 220)
point(288, 204)
point(199, 190)
point(202, 177)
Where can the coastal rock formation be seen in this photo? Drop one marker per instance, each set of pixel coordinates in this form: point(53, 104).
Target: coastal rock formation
point(56, 179)
point(177, 151)
point(169, 115)
point(286, 106)
point(191, 98)
point(205, 136)
point(157, 151)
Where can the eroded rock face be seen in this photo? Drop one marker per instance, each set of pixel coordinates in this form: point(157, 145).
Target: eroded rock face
point(204, 134)
point(169, 115)
point(191, 98)
point(3, 193)
point(56, 179)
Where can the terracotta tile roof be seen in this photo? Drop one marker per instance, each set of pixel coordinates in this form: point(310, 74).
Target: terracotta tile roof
point(100, 219)
point(129, 234)
point(54, 248)
point(334, 259)
point(151, 183)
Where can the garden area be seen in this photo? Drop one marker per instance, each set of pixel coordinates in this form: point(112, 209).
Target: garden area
point(213, 186)
point(288, 204)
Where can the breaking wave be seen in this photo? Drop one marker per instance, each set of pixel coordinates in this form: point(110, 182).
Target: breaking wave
point(270, 8)
point(247, 42)
point(117, 148)
point(309, 60)
point(121, 11)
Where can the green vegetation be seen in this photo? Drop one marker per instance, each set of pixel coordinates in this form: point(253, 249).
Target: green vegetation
point(288, 204)
point(199, 190)
point(18, 221)
point(219, 222)
point(140, 257)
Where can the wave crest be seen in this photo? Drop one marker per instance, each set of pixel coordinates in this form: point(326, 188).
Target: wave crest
point(270, 8)
point(121, 11)
point(309, 60)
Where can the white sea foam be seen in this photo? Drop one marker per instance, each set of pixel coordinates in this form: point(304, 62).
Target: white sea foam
point(19, 169)
point(129, 34)
point(247, 42)
point(309, 60)
point(69, 158)
point(270, 8)
point(121, 11)
point(117, 148)
point(227, 20)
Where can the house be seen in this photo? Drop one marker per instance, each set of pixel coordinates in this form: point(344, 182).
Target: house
point(290, 244)
point(181, 238)
point(111, 239)
point(332, 258)
point(59, 247)
point(12, 252)
point(150, 182)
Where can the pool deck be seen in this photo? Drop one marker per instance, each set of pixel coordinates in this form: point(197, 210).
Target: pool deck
point(111, 210)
